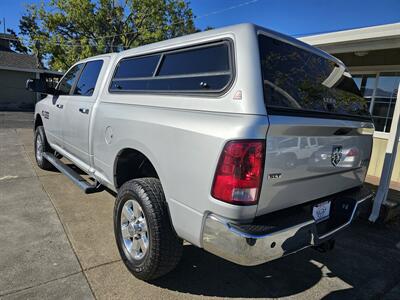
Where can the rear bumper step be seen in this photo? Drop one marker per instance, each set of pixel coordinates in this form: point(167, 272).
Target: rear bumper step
point(81, 182)
point(250, 247)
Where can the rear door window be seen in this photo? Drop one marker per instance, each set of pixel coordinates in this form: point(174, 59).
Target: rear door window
point(206, 68)
point(303, 143)
point(295, 82)
point(88, 78)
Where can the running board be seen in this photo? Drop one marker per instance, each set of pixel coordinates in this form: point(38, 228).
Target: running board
point(73, 175)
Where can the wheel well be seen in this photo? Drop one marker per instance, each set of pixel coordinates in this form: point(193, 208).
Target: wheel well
point(131, 164)
point(38, 121)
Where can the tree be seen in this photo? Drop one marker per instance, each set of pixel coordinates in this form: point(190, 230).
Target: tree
point(16, 44)
point(30, 29)
point(64, 31)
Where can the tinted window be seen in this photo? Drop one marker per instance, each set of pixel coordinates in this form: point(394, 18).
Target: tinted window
point(87, 80)
point(205, 69)
point(137, 67)
point(296, 79)
point(67, 82)
point(202, 60)
point(187, 84)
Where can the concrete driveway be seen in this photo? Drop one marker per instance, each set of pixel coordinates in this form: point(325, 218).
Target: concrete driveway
point(58, 243)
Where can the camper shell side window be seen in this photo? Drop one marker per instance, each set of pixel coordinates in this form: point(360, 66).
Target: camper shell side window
point(200, 69)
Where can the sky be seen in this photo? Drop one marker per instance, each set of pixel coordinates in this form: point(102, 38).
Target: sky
point(293, 17)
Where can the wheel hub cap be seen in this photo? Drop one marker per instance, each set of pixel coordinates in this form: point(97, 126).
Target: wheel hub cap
point(134, 229)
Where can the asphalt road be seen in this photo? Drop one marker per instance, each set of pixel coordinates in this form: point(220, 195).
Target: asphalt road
point(58, 243)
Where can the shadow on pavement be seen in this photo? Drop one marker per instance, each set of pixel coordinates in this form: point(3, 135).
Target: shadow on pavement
point(365, 264)
point(202, 273)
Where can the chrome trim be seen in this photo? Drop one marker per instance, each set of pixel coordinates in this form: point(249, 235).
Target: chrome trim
point(229, 242)
point(252, 236)
point(350, 220)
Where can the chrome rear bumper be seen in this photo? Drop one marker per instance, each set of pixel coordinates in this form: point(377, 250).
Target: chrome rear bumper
point(228, 241)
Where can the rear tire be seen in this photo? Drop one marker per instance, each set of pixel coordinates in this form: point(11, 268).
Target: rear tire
point(146, 241)
point(41, 146)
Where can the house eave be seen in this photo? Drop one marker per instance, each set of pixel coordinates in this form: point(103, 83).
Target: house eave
point(36, 70)
point(361, 39)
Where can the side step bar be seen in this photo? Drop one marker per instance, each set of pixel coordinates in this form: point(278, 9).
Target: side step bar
point(73, 175)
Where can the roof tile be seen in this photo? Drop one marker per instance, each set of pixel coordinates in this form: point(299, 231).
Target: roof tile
point(17, 60)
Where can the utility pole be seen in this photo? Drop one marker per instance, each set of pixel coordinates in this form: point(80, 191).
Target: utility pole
point(4, 25)
point(390, 158)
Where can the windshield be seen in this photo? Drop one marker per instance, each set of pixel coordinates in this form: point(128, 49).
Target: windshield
point(299, 81)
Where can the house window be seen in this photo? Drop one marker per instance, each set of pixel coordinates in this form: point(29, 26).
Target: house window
point(380, 90)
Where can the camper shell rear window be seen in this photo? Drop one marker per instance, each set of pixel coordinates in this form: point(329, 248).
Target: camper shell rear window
point(299, 82)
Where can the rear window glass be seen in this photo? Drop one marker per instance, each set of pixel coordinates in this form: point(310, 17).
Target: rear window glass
point(198, 69)
point(298, 80)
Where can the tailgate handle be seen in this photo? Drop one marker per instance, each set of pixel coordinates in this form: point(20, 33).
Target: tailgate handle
point(342, 131)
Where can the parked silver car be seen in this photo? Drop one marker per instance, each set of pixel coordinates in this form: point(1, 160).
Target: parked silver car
point(215, 138)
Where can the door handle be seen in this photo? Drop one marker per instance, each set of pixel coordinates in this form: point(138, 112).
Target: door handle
point(60, 106)
point(84, 110)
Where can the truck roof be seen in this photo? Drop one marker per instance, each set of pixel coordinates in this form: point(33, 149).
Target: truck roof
point(236, 30)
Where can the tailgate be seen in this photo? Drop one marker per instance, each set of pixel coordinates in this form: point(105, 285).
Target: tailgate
point(320, 136)
point(310, 158)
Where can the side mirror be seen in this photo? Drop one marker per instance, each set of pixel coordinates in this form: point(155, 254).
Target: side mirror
point(39, 86)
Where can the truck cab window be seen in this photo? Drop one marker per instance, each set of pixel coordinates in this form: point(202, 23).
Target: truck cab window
point(87, 81)
point(68, 80)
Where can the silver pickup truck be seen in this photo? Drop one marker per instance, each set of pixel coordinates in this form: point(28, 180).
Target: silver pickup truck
point(240, 140)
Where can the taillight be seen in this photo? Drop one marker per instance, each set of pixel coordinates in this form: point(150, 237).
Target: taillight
point(351, 155)
point(238, 177)
point(352, 152)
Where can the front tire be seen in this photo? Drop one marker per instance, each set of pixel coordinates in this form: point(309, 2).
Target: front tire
point(145, 238)
point(41, 146)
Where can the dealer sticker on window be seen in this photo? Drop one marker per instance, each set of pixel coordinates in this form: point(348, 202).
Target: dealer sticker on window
point(321, 211)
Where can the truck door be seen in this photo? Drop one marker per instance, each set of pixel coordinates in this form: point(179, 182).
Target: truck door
point(56, 113)
point(79, 109)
